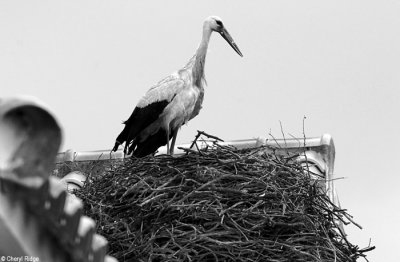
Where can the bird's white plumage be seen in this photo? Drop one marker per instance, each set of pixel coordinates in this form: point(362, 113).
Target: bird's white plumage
point(164, 90)
point(183, 97)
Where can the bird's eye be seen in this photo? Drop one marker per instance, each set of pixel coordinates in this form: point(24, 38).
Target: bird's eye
point(218, 22)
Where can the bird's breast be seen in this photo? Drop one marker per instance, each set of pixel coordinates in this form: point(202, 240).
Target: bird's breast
point(182, 107)
point(198, 103)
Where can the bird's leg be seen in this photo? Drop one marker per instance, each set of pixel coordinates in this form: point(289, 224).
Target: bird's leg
point(168, 153)
point(126, 148)
point(174, 135)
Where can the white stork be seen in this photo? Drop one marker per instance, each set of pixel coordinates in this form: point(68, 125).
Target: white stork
point(172, 102)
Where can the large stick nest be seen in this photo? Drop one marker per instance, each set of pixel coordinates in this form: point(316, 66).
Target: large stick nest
point(219, 204)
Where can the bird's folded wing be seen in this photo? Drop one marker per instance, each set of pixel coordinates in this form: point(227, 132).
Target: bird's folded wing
point(165, 90)
point(150, 107)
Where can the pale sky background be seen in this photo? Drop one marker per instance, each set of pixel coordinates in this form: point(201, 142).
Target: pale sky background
point(336, 62)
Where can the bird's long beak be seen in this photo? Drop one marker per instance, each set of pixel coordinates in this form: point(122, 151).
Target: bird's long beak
point(224, 33)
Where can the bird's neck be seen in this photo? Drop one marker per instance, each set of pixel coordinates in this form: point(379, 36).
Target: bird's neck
point(200, 57)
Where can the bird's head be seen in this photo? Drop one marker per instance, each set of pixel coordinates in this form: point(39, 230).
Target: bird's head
point(215, 24)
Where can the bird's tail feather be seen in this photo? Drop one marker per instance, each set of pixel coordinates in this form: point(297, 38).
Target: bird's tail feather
point(151, 144)
point(121, 138)
point(115, 148)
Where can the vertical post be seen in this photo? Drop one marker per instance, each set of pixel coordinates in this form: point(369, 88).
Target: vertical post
point(38, 219)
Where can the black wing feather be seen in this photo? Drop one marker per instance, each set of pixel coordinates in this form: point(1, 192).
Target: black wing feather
point(151, 144)
point(139, 120)
point(145, 114)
